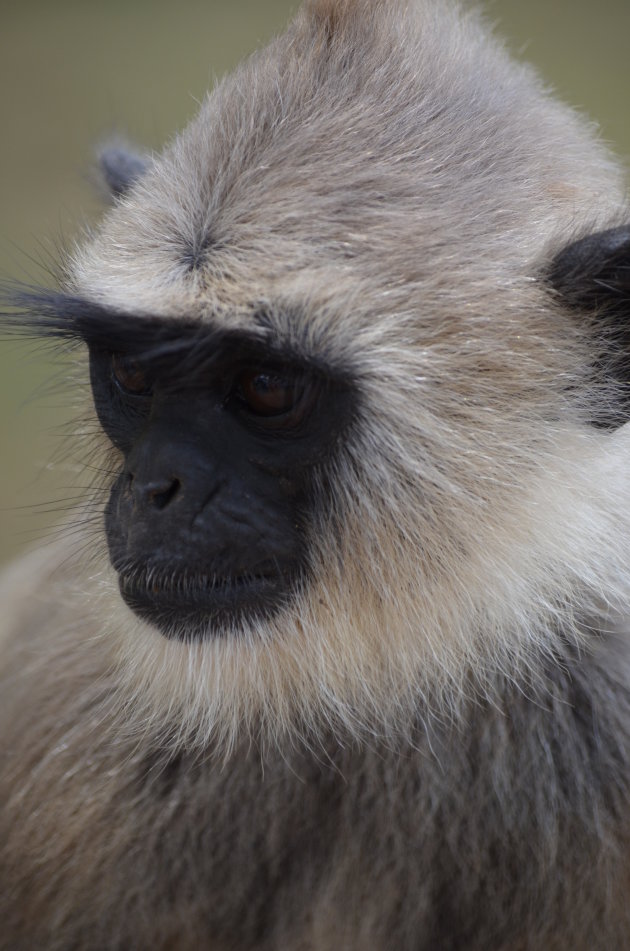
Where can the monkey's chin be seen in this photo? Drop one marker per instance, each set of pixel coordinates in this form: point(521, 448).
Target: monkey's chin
point(192, 607)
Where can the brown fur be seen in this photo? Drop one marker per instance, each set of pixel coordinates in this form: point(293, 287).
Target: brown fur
point(429, 747)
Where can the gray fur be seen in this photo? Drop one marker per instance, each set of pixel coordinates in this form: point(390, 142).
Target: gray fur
point(429, 747)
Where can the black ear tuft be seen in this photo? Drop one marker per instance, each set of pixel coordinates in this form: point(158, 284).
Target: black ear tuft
point(594, 273)
point(120, 167)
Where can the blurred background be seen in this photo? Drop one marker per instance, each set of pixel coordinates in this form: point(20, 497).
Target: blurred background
point(73, 73)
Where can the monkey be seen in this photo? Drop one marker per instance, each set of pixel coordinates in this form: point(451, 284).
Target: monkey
point(340, 659)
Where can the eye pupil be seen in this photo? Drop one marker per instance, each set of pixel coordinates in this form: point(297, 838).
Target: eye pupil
point(129, 375)
point(267, 394)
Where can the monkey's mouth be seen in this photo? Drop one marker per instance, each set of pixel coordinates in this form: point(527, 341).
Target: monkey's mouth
point(188, 605)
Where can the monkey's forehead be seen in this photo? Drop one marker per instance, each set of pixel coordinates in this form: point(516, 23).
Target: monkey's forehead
point(376, 154)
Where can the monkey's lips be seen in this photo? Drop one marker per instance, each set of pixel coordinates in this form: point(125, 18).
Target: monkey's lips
point(188, 605)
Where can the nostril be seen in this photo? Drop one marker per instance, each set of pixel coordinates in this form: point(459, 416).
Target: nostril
point(160, 495)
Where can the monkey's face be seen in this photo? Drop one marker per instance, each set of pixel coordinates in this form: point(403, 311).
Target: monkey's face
point(220, 434)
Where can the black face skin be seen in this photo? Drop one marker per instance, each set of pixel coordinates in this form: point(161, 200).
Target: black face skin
point(220, 434)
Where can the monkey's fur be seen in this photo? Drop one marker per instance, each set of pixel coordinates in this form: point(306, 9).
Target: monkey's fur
point(428, 746)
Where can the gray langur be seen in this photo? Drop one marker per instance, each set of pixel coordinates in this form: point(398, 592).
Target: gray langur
point(349, 665)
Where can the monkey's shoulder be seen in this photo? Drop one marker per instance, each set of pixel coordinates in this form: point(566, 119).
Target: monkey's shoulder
point(258, 849)
point(38, 591)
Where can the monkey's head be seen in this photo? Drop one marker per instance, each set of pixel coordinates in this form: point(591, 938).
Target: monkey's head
point(357, 351)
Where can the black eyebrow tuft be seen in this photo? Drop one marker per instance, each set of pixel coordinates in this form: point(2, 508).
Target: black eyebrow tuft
point(69, 320)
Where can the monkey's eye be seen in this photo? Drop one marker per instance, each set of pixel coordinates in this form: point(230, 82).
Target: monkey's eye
point(129, 375)
point(269, 393)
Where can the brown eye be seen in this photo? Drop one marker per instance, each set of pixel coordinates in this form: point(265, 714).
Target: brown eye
point(268, 393)
point(129, 375)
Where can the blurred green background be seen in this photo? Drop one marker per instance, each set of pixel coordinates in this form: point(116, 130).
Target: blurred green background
point(73, 73)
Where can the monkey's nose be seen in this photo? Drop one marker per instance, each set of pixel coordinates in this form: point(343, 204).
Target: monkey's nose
point(156, 494)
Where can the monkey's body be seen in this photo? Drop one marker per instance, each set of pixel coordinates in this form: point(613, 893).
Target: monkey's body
point(356, 673)
point(483, 835)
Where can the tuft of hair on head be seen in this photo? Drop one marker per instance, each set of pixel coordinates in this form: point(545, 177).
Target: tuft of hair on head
point(335, 14)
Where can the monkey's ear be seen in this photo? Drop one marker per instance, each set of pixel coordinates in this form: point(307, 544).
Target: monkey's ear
point(120, 167)
point(593, 274)
point(592, 277)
